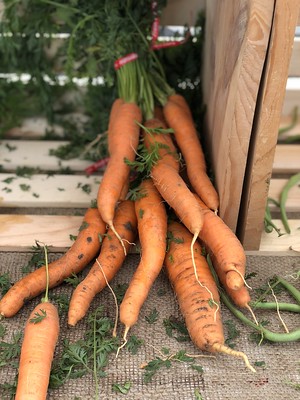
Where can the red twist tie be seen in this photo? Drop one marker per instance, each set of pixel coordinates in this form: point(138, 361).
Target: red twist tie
point(124, 60)
point(172, 43)
point(97, 165)
point(155, 29)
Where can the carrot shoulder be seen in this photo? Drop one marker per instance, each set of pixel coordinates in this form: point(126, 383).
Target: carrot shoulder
point(82, 251)
point(178, 117)
point(152, 228)
point(107, 264)
point(37, 352)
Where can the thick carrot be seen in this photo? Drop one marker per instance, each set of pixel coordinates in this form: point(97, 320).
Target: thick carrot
point(226, 249)
point(186, 136)
point(37, 352)
point(152, 228)
point(123, 139)
point(40, 339)
point(107, 264)
point(196, 292)
point(82, 251)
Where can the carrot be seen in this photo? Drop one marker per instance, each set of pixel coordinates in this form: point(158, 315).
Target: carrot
point(123, 139)
point(195, 288)
point(152, 228)
point(227, 250)
point(82, 251)
point(40, 339)
point(186, 136)
point(166, 148)
point(107, 264)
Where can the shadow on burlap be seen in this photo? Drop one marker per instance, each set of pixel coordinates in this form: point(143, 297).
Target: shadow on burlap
point(222, 378)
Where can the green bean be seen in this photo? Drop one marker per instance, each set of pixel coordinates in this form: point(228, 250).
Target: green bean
point(283, 197)
point(290, 288)
point(266, 333)
point(273, 306)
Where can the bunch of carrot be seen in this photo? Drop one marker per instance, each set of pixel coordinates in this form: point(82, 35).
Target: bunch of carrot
point(152, 144)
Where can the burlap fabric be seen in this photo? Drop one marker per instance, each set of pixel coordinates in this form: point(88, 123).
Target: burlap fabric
point(223, 377)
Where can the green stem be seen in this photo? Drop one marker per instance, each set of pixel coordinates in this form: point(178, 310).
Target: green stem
point(283, 198)
point(273, 306)
point(45, 299)
point(290, 288)
point(266, 333)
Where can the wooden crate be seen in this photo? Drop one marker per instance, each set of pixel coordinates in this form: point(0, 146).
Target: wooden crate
point(247, 61)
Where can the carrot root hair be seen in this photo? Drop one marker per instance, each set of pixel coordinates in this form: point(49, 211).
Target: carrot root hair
point(125, 340)
point(221, 348)
point(115, 299)
point(252, 313)
point(196, 234)
point(111, 226)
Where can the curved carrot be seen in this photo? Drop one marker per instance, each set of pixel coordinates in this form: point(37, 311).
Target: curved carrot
point(195, 288)
point(152, 228)
point(107, 264)
point(37, 352)
point(186, 136)
point(226, 249)
point(123, 139)
point(82, 251)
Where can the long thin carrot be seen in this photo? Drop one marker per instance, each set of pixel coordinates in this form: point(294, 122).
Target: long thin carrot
point(40, 339)
point(107, 264)
point(82, 251)
point(179, 118)
point(227, 250)
point(123, 139)
point(194, 295)
point(152, 228)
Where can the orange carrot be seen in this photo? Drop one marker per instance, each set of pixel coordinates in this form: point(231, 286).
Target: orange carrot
point(40, 339)
point(82, 251)
point(37, 352)
point(195, 289)
point(123, 138)
point(166, 150)
point(227, 250)
point(152, 228)
point(107, 264)
point(186, 136)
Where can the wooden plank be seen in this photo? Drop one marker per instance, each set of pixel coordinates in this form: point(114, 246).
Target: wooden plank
point(35, 154)
point(237, 36)
point(271, 241)
point(293, 200)
point(180, 12)
point(294, 69)
point(19, 232)
point(286, 159)
point(42, 190)
point(285, 121)
point(266, 124)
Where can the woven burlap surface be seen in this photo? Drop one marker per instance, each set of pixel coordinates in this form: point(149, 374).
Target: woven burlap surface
point(223, 377)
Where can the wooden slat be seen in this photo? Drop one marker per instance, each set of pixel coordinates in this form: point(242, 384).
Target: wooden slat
point(294, 69)
point(35, 153)
point(287, 159)
point(236, 41)
point(271, 241)
point(19, 232)
point(48, 191)
point(293, 200)
point(265, 129)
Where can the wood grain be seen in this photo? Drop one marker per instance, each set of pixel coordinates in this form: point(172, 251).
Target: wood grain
point(272, 242)
point(264, 136)
point(286, 159)
point(237, 36)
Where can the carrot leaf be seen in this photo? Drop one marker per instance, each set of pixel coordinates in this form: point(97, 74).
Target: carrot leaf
point(133, 344)
point(38, 317)
point(152, 317)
